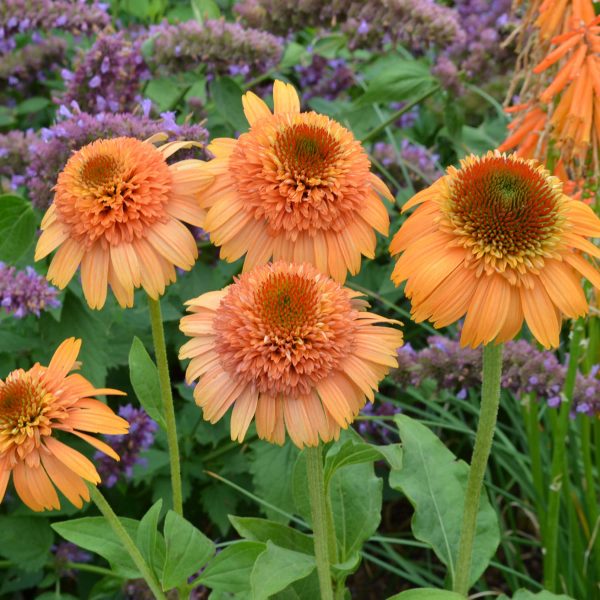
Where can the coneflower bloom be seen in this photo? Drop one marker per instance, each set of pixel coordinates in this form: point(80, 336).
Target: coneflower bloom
point(498, 241)
point(290, 347)
point(118, 211)
point(297, 187)
point(37, 404)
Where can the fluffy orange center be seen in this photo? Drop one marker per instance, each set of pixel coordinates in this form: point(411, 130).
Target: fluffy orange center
point(508, 211)
point(26, 412)
point(113, 190)
point(284, 328)
point(300, 172)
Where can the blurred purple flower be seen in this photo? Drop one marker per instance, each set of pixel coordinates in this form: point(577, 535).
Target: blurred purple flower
point(25, 292)
point(66, 552)
point(324, 78)
point(129, 447)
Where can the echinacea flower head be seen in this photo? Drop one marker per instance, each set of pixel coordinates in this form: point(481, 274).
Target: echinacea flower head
point(119, 211)
point(35, 406)
point(290, 347)
point(498, 241)
point(297, 187)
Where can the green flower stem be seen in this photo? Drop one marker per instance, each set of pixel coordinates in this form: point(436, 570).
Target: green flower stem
point(320, 519)
point(160, 351)
point(112, 519)
point(490, 401)
point(559, 443)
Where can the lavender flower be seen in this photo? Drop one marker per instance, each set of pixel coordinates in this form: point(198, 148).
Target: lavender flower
point(49, 154)
point(418, 24)
point(75, 16)
point(108, 76)
point(25, 292)
point(222, 48)
point(66, 552)
point(526, 370)
point(420, 162)
point(14, 157)
point(25, 67)
point(375, 431)
point(128, 446)
point(325, 78)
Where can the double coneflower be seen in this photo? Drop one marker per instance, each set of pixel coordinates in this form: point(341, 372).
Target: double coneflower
point(297, 187)
point(497, 242)
point(290, 347)
point(119, 212)
point(35, 406)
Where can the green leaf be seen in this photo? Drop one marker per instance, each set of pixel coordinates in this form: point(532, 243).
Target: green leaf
point(32, 105)
point(263, 530)
point(205, 9)
point(270, 468)
point(351, 452)
point(164, 91)
point(276, 568)
point(17, 227)
point(426, 594)
point(434, 482)
point(96, 535)
point(405, 80)
point(144, 379)
point(25, 540)
point(543, 595)
point(229, 571)
point(188, 549)
point(292, 55)
point(227, 95)
point(149, 540)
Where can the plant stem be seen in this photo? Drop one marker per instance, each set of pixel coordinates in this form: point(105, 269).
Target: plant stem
point(377, 130)
point(558, 462)
point(318, 509)
point(128, 544)
point(160, 351)
point(490, 401)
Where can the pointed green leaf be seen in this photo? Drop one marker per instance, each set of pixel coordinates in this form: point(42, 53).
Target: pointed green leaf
point(149, 540)
point(263, 530)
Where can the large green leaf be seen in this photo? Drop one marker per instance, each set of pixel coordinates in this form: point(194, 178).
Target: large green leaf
point(404, 80)
point(227, 95)
point(263, 530)
point(25, 540)
point(187, 550)
point(434, 482)
point(230, 570)
point(144, 379)
point(276, 568)
point(543, 595)
point(17, 227)
point(96, 535)
point(150, 542)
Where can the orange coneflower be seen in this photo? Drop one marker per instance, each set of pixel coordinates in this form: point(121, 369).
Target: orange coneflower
point(289, 346)
point(34, 406)
point(118, 211)
point(296, 187)
point(499, 241)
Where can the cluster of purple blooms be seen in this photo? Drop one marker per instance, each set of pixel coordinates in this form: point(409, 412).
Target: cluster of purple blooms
point(526, 370)
point(27, 16)
point(67, 552)
point(25, 292)
point(420, 163)
point(324, 77)
point(48, 153)
point(222, 48)
point(129, 447)
point(418, 24)
point(14, 152)
point(108, 77)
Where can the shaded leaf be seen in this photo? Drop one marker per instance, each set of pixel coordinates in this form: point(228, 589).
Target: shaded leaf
point(17, 227)
point(263, 530)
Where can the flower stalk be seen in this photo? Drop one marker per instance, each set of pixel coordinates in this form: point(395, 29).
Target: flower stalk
point(320, 519)
point(121, 533)
point(160, 351)
point(490, 401)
